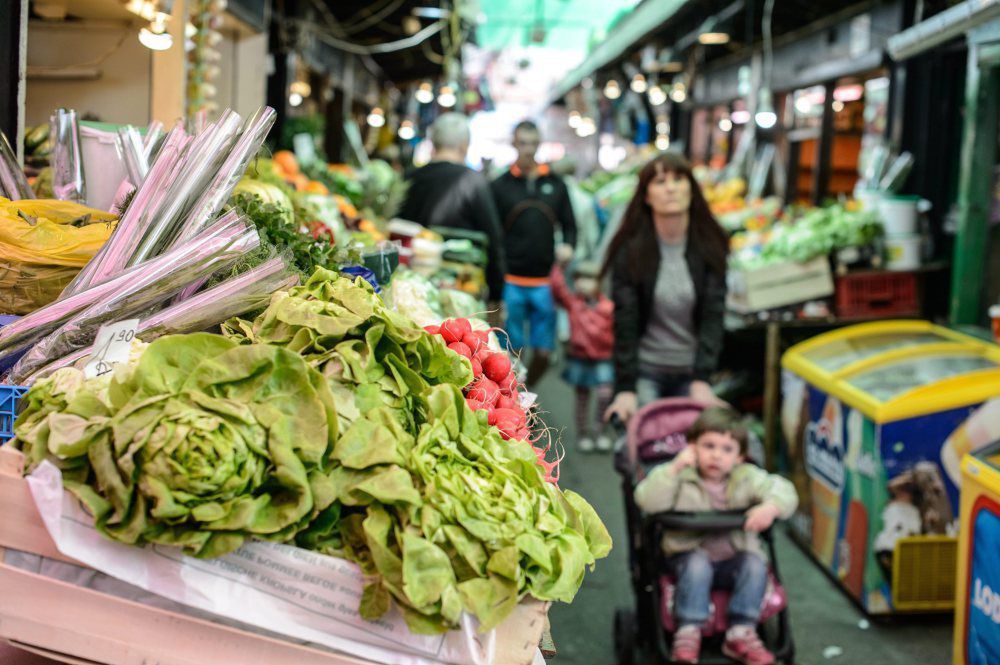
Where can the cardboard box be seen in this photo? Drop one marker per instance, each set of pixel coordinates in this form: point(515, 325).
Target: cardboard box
point(779, 285)
point(78, 625)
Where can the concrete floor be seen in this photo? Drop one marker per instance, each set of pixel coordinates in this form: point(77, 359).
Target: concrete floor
point(821, 615)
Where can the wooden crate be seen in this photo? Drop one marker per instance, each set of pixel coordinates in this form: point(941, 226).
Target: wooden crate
point(779, 285)
point(77, 625)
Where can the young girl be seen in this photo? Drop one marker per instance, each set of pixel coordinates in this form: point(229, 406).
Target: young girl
point(711, 474)
point(588, 366)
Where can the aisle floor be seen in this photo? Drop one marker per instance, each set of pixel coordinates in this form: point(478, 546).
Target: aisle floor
point(821, 615)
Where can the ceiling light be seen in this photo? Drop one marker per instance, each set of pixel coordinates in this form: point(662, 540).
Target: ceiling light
point(803, 105)
point(611, 90)
point(740, 117)
point(662, 127)
point(638, 84)
point(446, 97)
point(678, 93)
point(377, 117)
point(849, 93)
point(662, 142)
point(574, 119)
point(838, 106)
point(587, 128)
point(587, 83)
point(425, 93)
point(431, 12)
point(406, 131)
point(295, 99)
point(300, 88)
point(713, 38)
point(411, 25)
point(765, 117)
point(155, 40)
point(726, 125)
point(657, 96)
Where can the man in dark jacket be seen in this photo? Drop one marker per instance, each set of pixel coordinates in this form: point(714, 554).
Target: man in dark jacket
point(534, 204)
point(448, 193)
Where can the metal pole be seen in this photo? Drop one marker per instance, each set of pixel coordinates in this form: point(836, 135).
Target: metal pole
point(982, 94)
point(13, 61)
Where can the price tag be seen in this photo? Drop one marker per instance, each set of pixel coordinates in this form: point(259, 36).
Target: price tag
point(112, 346)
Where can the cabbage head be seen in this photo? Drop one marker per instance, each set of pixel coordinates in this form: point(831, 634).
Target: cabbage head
point(205, 444)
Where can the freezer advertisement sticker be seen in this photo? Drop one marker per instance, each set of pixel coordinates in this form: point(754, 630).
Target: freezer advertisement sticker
point(982, 630)
point(825, 445)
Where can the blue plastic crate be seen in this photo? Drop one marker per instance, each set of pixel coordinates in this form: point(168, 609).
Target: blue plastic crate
point(9, 397)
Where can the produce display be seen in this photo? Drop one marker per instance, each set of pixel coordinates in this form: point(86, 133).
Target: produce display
point(335, 423)
point(817, 232)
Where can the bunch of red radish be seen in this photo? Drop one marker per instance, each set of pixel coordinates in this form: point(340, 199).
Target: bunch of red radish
point(494, 386)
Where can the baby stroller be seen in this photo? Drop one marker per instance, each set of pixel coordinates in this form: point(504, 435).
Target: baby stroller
point(653, 436)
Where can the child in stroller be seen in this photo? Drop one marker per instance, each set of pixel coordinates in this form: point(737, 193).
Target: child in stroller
point(702, 551)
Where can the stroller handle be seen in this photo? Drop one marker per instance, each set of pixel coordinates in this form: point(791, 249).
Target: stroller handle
point(717, 520)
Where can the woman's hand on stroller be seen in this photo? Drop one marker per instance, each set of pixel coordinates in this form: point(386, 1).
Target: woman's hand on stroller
point(624, 406)
point(761, 517)
point(701, 391)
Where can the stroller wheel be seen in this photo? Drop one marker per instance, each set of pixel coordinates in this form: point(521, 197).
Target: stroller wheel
point(625, 637)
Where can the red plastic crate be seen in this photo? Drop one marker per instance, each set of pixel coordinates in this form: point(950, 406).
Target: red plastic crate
point(877, 294)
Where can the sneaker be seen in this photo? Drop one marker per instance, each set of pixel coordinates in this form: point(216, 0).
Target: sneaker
point(604, 443)
point(585, 445)
point(687, 645)
point(744, 646)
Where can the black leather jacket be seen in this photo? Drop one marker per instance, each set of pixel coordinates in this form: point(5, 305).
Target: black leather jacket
point(633, 302)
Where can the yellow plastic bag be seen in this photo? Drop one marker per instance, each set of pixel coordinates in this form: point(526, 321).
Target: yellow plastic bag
point(43, 245)
point(50, 232)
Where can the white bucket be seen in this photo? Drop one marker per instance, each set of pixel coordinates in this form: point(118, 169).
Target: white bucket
point(903, 252)
point(899, 215)
point(868, 198)
point(103, 169)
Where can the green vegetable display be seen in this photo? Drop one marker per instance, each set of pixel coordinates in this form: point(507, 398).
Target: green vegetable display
point(332, 422)
point(204, 444)
point(457, 519)
point(371, 355)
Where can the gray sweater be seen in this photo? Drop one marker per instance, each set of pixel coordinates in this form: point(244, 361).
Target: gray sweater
point(669, 342)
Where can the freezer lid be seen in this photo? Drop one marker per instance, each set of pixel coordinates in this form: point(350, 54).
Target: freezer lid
point(839, 353)
point(889, 380)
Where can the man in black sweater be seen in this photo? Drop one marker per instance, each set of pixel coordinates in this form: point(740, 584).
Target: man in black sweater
point(533, 204)
point(445, 192)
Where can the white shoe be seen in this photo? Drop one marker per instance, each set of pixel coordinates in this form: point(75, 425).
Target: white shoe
point(585, 445)
point(604, 443)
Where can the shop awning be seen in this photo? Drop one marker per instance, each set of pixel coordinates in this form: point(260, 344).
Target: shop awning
point(942, 27)
point(634, 28)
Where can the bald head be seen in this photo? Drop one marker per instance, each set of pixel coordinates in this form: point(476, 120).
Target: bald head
point(450, 133)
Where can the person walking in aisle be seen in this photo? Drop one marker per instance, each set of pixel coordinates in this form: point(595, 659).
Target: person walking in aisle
point(447, 193)
point(668, 268)
point(533, 204)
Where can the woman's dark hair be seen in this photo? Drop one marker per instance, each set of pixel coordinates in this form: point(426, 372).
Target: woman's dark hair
point(637, 235)
point(720, 420)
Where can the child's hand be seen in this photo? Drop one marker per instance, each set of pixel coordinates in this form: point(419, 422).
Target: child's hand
point(684, 459)
point(564, 253)
point(760, 518)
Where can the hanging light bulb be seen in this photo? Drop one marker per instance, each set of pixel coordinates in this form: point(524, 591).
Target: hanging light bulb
point(425, 93)
point(657, 96)
point(678, 92)
point(639, 84)
point(611, 90)
point(377, 117)
point(574, 119)
point(156, 37)
point(662, 142)
point(301, 88)
point(587, 127)
point(295, 99)
point(446, 97)
point(726, 125)
point(765, 117)
point(406, 130)
point(662, 127)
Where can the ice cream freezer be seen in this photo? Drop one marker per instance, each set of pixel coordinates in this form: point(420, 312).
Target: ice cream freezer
point(876, 418)
point(976, 639)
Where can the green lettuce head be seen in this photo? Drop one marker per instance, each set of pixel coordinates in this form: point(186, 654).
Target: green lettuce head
point(210, 443)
